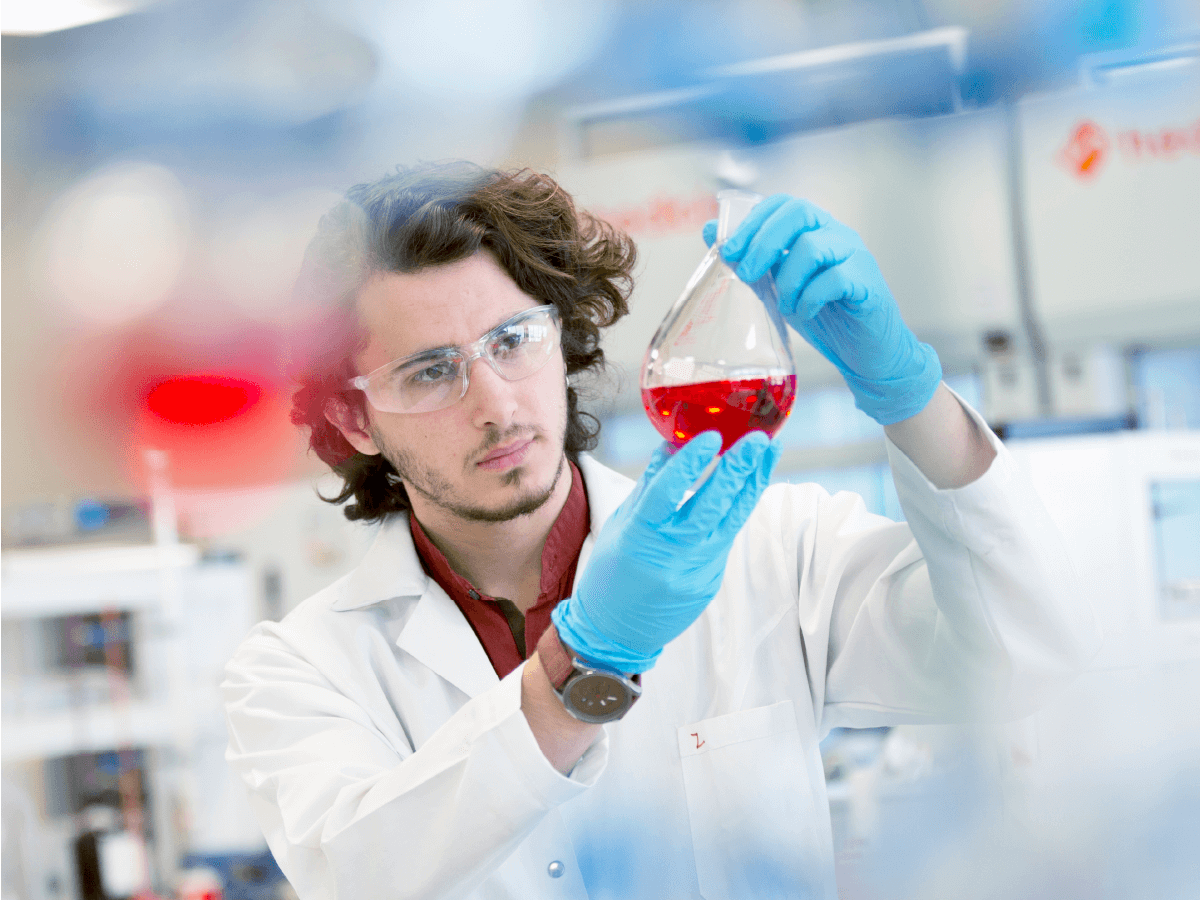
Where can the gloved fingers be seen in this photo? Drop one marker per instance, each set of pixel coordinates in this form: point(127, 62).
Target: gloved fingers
point(659, 458)
point(662, 453)
point(743, 504)
point(710, 505)
point(710, 232)
point(810, 254)
point(676, 475)
point(837, 284)
point(735, 245)
point(773, 239)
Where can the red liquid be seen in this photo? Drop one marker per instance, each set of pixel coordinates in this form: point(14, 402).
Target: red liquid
point(731, 407)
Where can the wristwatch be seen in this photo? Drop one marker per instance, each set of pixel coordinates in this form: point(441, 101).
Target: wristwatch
point(589, 691)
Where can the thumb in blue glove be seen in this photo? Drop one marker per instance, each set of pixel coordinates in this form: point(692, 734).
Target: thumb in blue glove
point(660, 559)
point(832, 292)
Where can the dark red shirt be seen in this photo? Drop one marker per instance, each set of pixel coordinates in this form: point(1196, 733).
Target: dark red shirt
point(509, 638)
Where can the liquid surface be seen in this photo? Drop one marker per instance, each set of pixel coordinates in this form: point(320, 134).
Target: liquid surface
point(681, 412)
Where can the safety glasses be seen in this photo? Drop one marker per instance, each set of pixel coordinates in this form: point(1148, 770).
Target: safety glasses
point(434, 379)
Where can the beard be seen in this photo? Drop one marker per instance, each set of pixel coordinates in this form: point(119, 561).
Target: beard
point(440, 491)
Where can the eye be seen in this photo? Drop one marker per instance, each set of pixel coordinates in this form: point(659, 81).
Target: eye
point(511, 340)
point(435, 373)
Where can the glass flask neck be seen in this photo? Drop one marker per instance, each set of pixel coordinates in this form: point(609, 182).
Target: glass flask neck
point(733, 207)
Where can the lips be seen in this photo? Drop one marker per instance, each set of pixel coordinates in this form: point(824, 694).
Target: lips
point(507, 455)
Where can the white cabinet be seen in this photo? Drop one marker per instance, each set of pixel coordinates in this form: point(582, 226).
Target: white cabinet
point(1112, 179)
point(121, 649)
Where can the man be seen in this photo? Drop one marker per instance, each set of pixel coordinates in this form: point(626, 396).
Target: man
point(546, 681)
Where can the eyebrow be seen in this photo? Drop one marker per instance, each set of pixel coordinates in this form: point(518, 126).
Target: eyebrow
point(421, 355)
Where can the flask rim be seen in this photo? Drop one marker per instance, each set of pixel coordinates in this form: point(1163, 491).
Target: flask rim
point(733, 205)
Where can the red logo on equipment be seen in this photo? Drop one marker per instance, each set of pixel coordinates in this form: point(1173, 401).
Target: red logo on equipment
point(1086, 150)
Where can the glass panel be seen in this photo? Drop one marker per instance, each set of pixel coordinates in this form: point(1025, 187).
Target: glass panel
point(1175, 512)
point(1168, 387)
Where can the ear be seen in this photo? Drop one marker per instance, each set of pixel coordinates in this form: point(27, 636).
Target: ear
point(351, 421)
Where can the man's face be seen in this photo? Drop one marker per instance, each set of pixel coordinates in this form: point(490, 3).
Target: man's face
point(498, 452)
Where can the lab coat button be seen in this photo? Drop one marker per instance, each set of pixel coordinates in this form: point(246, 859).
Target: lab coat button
point(556, 869)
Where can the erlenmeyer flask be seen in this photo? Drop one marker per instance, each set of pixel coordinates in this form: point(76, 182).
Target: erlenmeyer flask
point(720, 359)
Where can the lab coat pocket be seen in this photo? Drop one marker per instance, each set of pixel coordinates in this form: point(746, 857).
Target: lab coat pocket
point(754, 828)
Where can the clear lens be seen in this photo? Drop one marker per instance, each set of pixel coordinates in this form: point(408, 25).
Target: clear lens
point(516, 349)
point(424, 384)
point(523, 347)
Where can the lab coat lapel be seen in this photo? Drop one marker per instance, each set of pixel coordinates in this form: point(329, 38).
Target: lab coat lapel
point(436, 632)
point(439, 636)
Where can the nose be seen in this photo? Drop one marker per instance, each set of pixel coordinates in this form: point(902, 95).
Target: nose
point(492, 400)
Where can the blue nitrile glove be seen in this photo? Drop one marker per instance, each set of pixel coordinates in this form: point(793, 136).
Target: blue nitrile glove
point(657, 564)
point(832, 292)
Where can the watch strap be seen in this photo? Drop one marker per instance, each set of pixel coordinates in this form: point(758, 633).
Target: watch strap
point(556, 661)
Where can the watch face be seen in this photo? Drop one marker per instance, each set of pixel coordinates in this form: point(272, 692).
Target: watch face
point(596, 697)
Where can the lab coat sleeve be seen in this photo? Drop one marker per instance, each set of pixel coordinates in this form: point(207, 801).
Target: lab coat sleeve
point(970, 611)
point(351, 810)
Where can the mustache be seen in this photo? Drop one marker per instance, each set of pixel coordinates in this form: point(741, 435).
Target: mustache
point(495, 438)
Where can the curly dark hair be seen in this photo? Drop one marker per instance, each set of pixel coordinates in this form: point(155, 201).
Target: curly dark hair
point(433, 215)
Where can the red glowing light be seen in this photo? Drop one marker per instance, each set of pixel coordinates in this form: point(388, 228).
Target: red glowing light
point(202, 399)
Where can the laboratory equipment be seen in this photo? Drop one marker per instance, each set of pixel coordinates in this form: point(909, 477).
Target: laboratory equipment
point(720, 359)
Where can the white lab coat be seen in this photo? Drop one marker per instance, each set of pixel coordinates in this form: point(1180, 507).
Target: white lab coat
point(385, 759)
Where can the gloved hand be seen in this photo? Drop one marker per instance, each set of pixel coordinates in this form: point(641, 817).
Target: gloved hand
point(657, 564)
point(832, 292)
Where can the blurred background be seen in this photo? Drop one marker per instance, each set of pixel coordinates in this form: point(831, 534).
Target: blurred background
point(1027, 174)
